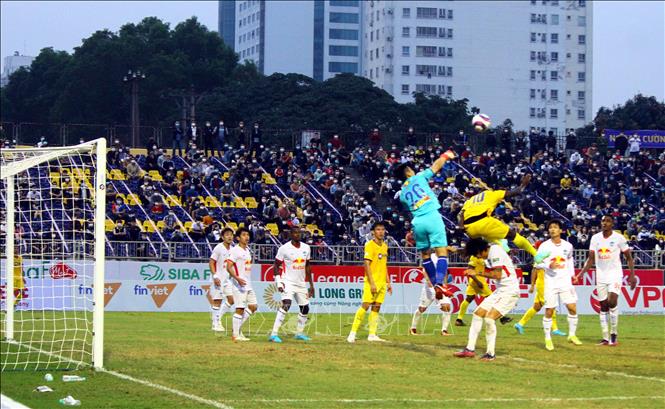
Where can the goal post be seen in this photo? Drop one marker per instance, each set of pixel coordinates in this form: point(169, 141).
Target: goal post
point(54, 256)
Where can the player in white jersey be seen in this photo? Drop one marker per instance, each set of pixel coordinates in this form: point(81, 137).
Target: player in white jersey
point(293, 273)
point(559, 269)
point(427, 298)
point(605, 250)
point(499, 267)
point(221, 287)
point(239, 266)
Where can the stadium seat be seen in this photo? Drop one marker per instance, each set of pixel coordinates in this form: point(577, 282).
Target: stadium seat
point(133, 200)
point(109, 225)
point(212, 201)
point(161, 225)
point(172, 201)
point(55, 178)
point(251, 203)
point(149, 226)
point(226, 175)
point(272, 227)
point(155, 176)
point(232, 225)
point(188, 226)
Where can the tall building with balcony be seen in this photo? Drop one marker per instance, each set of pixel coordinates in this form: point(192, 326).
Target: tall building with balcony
point(529, 61)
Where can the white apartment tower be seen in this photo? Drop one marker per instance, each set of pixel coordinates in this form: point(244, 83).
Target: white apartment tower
point(529, 61)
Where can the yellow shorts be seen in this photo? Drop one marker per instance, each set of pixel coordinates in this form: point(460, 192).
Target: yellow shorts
point(540, 292)
point(489, 228)
point(374, 298)
point(473, 289)
point(19, 284)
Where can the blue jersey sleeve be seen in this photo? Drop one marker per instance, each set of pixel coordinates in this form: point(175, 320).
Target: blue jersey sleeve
point(427, 174)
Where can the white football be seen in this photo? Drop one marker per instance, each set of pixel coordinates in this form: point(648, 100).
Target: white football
point(481, 122)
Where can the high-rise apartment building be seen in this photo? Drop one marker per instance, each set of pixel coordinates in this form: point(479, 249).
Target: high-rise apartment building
point(529, 61)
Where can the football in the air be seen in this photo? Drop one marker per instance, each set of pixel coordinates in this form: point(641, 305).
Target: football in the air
point(481, 122)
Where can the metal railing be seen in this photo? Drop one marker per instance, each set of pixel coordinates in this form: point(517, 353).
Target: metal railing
point(324, 254)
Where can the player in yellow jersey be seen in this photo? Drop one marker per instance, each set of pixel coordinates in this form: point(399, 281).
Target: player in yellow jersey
point(478, 286)
point(477, 221)
point(19, 282)
point(537, 282)
point(376, 284)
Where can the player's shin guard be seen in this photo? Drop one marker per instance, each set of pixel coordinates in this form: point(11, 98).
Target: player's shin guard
point(572, 325)
point(430, 269)
point(527, 316)
point(445, 320)
point(226, 307)
point(358, 319)
point(302, 321)
point(547, 327)
point(555, 326)
point(373, 322)
point(614, 320)
point(490, 334)
point(521, 242)
point(474, 330)
point(441, 269)
point(216, 315)
point(462, 309)
point(246, 316)
point(603, 324)
point(237, 323)
point(279, 319)
point(416, 318)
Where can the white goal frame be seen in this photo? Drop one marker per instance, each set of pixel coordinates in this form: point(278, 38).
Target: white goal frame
point(8, 173)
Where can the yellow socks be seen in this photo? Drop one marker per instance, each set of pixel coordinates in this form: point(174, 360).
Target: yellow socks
point(555, 327)
point(360, 315)
point(524, 244)
point(373, 322)
point(527, 316)
point(462, 309)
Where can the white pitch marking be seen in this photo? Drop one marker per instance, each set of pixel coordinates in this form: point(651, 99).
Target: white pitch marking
point(139, 381)
point(467, 400)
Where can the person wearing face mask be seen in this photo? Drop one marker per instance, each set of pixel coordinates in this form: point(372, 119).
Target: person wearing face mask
point(208, 136)
point(256, 138)
point(193, 133)
point(220, 134)
point(178, 136)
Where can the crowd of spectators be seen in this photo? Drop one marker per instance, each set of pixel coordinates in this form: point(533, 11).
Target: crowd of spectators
point(316, 185)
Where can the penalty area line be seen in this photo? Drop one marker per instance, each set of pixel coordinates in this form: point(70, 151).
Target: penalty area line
point(451, 400)
point(153, 385)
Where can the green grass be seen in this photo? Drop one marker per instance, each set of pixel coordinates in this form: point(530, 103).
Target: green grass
point(179, 351)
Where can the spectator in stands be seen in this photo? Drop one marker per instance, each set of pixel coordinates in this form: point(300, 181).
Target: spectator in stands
point(621, 144)
point(200, 212)
point(506, 140)
point(256, 141)
point(178, 137)
point(133, 170)
point(170, 222)
point(208, 137)
point(43, 143)
point(336, 142)
point(634, 145)
point(375, 139)
point(571, 143)
point(197, 231)
point(411, 138)
point(119, 231)
point(193, 134)
point(221, 136)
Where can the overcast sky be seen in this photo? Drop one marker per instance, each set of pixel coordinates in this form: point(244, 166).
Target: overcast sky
point(628, 37)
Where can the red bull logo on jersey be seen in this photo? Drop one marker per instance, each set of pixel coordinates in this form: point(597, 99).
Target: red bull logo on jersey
point(604, 253)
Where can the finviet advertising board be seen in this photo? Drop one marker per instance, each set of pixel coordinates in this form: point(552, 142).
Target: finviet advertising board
point(183, 287)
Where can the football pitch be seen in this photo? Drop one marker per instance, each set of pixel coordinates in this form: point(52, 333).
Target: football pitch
point(173, 360)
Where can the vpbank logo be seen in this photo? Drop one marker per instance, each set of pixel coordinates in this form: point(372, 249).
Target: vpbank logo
point(152, 272)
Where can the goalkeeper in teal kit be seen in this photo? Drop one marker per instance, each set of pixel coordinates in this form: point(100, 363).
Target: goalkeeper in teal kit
point(428, 227)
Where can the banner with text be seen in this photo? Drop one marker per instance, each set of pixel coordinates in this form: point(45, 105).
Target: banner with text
point(649, 138)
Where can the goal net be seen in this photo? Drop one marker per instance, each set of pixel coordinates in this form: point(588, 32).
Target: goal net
point(52, 242)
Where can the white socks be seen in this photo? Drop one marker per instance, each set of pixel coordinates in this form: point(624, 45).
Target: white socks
point(603, 324)
point(614, 320)
point(572, 325)
point(279, 319)
point(302, 321)
point(237, 323)
point(490, 334)
point(216, 314)
point(547, 327)
point(474, 330)
point(445, 320)
point(226, 307)
point(416, 318)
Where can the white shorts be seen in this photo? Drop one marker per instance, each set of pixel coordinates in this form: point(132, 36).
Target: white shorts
point(500, 301)
point(221, 292)
point(603, 289)
point(567, 296)
point(427, 298)
point(244, 298)
point(295, 293)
